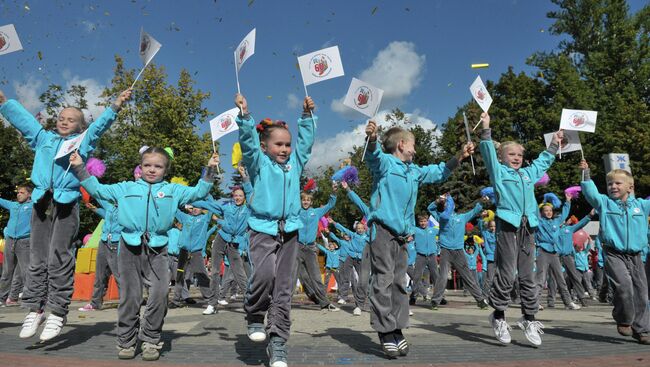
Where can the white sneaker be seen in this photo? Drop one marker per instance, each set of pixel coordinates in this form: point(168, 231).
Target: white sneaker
point(540, 307)
point(332, 308)
point(210, 310)
point(53, 326)
point(573, 306)
point(357, 311)
point(341, 301)
point(501, 329)
point(532, 330)
point(410, 312)
point(31, 323)
point(222, 302)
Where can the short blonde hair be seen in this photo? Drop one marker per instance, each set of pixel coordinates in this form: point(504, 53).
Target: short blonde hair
point(503, 147)
point(304, 195)
point(393, 136)
point(627, 176)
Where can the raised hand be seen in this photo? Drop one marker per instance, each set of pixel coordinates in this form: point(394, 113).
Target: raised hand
point(240, 101)
point(123, 97)
point(371, 130)
point(308, 105)
point(214, 160)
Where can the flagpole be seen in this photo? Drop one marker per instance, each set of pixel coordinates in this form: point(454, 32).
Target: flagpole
point(469, 139)
point(236, 72)
point(139, 74)
point(582, 154)
point(310, 112)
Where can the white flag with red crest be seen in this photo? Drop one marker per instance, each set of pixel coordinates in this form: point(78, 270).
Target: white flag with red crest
point(149, 47)
point(363, 97)
point(224, 124)
point(320, 65)
point(480, 94)
point(245, 49)
point(9, 41)
point(578, 120)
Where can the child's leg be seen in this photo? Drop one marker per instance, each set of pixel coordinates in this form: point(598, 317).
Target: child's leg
point(434, 274)
point(61, 260)
point(418, 288)
point(226, 282)
point(641, 324)
point(237, 266)
point(558, 277)
point(218, 250)
point(156, 309)
point(525, 271)
point(574, 276)
point(21, 249)
point(181, 288)
point(312, 272)
point(102, 273)
point(459, 260)
point(618, 273)
point(441, 284)
point(359, 294)
point(344, 278)
point(198, 268)
point(35, 291)
point(263, 249)
point(112, 262)
point(9, 267)
point(364, 277)
point(128, 311)
point(279, 316)
point(506, 266)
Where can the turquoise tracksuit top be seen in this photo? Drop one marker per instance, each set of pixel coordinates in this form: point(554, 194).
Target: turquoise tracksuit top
point(452, 225)
point(515, 189)
point(235, 218)
point(48, 174)
point(395, 189)
point(356, 200)
point(111, 227)
point(582, 259)
point(473, 258)
point(173, 247)
point(489, 241)
point(565, 237)
point(601, 253)
point(309, 218)
point(358, 242)
point(20, 216)
point(425, 241)
point(344, 247)
point(623, 225)
point(144, 207)
point(412, 254)
point(276, 187)
point(331, 257)
point(194, 235)
point(547, 235)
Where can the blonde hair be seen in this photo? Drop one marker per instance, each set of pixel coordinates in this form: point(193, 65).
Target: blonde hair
point(503, 147)
point(304, 195)
point(393, 136)
point(627, 176)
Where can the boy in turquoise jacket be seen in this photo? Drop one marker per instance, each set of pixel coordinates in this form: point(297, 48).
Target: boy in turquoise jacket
point(395, 184)
point(567, 258)
point(488, 233)
point(623, 233)
point(359, 243)
point(427, 251)
point(345, 266)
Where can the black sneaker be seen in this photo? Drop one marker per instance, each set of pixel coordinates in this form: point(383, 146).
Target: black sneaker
point(277, 351)
point(402, 345)
point(482, 304)
point(434, 306)
point(443, 301)
point(388, 345)
point(411, 301)
point(190, 301)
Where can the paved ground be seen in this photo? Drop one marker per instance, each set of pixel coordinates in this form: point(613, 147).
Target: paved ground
point(456, 335)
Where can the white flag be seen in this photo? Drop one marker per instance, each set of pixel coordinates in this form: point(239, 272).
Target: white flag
point(224, 124)
point(578, 120)
point(480, 94)
point(9, 41)
point(363, 97)
point(245, 49)
point(148, 47)
point(70, 146)
point(570, 142)
point(320, 65)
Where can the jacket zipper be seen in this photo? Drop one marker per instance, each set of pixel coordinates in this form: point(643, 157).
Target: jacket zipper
point(146, 220)
point(52, 171)
point(284, 191)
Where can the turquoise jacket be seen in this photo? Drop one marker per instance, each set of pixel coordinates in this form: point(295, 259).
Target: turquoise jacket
point(276, 187)
point(173, 246)
point(356, 200)
point(515, 189)
point(623, 225)
point(309, 218)
point(425, 241)
point(412, 254)
point(146, 208)
point(20, 216)
point(452, 225)
point(358, 242)
point(48, 174)
point(195, 230)
point(395, 188)
point(332, 257)
point(473, 258)
point(344, 247)
point(111, 228)
point(601, 253)
point(235, 218)
point(644, 254)
point(548, 230)
point(489, 241)
point(582, 259)
point(565, 236)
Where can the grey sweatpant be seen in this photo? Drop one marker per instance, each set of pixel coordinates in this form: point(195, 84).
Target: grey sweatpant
point(306, 269)
point(193, 264)
point(271, 284)
point(221, 248)
point(389, 308)
point(489, 277)
point(626, 275)
point(423, 262)
point(329, 273)
point(515, 256)
point(14, 267)
point(173, 269)
point(573, 275)
point(137, 263)
point(346, 277)
point(106, 264)
point(550, 261)
point(459, 261)
point(50, 276)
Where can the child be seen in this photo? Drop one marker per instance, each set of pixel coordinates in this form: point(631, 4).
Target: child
point(106, 260)
point(548, 246)
point(331, 263)
point(623, 233)
point(395, 181)
point(516, 220)
point(274, 221)
point(55, 218)
point(472, 253)
point(427, 249)
point(452, 231)
point(146, 212)
point(567, 253)
point(235, 215)
point(16, 253)
point(345, 266)
point(490, 243)
point(306, 267)
point(582, 265)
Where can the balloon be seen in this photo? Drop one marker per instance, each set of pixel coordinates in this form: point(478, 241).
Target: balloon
point(469, 227)
point(580, 237)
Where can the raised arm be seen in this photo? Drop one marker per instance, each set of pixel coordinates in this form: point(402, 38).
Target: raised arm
point(589, 190)
point(248, 137)
point(22, 120)
point(468, 216)
point(103, 123)
point(343, 229)
point(566, 208)
point(306, 131)
point(7, 204)
point(356, 200)
point(327, 207)
point(445, 216)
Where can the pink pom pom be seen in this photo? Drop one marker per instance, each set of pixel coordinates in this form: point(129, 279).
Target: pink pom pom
point(95, 167)
point(573, 191)
point(324, 222)
point(544, 180)
point(137, 172)
point(87, 238)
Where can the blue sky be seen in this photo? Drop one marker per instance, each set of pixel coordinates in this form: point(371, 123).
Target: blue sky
point(419, 51)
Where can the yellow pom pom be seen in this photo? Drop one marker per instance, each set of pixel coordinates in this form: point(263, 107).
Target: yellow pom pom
point(179, 180)
point(236, 155)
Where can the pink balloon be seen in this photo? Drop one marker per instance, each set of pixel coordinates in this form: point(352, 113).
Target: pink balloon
point(87, 238)
point(323, 222)
point(580, 237)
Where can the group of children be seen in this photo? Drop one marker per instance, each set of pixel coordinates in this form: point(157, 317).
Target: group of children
point(279, 227)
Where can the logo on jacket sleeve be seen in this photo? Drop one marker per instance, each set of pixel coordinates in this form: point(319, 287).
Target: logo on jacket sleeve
point(637, 210)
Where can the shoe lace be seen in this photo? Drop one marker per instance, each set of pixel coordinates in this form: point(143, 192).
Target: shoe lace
point(503, 327)
point(535, 326)
point(279, 350)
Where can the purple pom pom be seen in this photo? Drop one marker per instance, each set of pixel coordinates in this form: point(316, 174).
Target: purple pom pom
point(95, 167)
point(137, 172)
point(351, 176)
point(544, 180)
point(573, 191)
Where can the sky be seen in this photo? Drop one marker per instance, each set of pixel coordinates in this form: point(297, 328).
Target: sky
point(419, 52)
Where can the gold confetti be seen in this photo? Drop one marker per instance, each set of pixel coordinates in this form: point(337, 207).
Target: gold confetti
point(479, 66)
point(107, 13)
point(374, 10)
point(269, 97)
point(250, 2)
point(40, 55)
point(26, 7)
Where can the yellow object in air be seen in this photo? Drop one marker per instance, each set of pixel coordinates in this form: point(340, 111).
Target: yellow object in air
point(236, 155)
point(478, 66)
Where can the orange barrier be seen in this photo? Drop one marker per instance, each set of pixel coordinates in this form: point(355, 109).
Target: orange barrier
point(83, 288)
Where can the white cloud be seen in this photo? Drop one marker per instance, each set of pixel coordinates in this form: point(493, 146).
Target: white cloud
point(329, 152)
point(93, 90)
point(293, 101)
point(397, 69)
point(28, 94)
